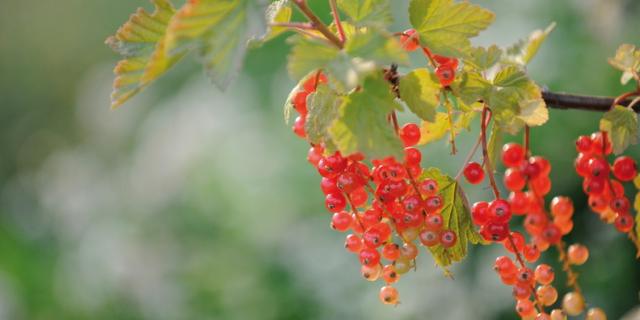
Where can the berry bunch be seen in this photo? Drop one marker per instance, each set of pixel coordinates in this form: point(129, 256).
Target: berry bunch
point(445, 67)
point(300, 102)
point(606, 193)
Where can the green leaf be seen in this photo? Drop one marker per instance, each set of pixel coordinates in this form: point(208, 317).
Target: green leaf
point(362, 124)
point(323, 109)
point(627, 60)
point(367, 12)
point(445, 27)
point(534, 112)
point(457, 218)
point(470, 87)
point(364, 52)
point(217, 30)
point(524, 50)
point(511, 88)
point(484, 58)
point(621, 125)
point(278, 12)
point(494, 145)
point(438, 129)
point(420, 90)
point(141, 42)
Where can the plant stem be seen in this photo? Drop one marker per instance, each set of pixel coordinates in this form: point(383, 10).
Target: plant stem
point(527, 138)
point(336, 20)
point(317, 24)
point(523, 265)
point(452, 137)
point(485, 152)
point(293, 25)
point(468, 158)
point(572, 277)
point(560, 100)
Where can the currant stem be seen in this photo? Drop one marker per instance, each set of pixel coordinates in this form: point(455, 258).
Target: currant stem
point(527, 138)
point(354, 210)
point(317, 24)
point(486, 114)
point(336, 20)
point(572, 277)
point(452, 138)
point(293, 25)
point(566, 101)
point(427, 53)
point(523, 265)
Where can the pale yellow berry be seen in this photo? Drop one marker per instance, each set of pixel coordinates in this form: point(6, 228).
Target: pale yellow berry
point(543, 316)
point(578, 254)
point(547, 294)
point(371, 273)
point(402, 265)
point(596, 314)
point(558, 314)
point(573, 304)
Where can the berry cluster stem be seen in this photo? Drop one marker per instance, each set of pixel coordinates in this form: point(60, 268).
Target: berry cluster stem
point(572, 277)
point(317, 24)
point(337, 21)
point(523, 265)
point(486, 114)
point(452, 137)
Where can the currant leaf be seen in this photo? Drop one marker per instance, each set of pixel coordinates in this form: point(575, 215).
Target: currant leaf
point(510, 96)
point(627, 60)
point(365, 51)
point(323, 109)
point(367, 12)
point(470, 87)
point(141, 42)
point(457, 218)
point(217, 30)
point(494, 144)
point(277, 12)
point(445, 26)
point(362, 124)
point(441, 126)
point(481, 58)
point(621, 125)
point(534, 112)
point(420, 90)
point(524, 50)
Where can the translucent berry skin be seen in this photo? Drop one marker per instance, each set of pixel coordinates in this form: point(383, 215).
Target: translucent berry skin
point(335, 202)
point(519, 202)
point(599, 145)
point(433, 221)
point(573, 304)
point(448, 238)
point(314, 155)
point(582, 164)
point(428, 187)
point(547, 294)
point(598, 167)
point(353, 243)
point(446, 73)
point(410, 134)
point(578, 254)
point(543, 316)
point(409, 41)
point(391, 251)
point(552, 233)
point(558, 314)
point(531, 253)
point(521, 291)
point(433, 204)
point(409, 251)
point(312, 84)
point(479, 213)
point(389, 295)
point(412, 156)
point(371, 273)
point(525, 275)
point(562, 207)
point(544, 274)
point(369, 257)
point(341, 221)
point(625, 168)
point(596, 314)
point(512, 154)
point(583, 144)
point(332, 165)
point(473, 172)
point(518, 240)
point(514, 180)
point(494, 231)
point(389, 274)
point(429, 238)
point(504, 265)
point(624, 223)
point(298, 127)
point(499, 211)
point(525, 308)
point(620, 205)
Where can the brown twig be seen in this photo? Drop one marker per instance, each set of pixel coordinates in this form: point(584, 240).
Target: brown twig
point(485, 152)
point(317, 24)
point(336, 20)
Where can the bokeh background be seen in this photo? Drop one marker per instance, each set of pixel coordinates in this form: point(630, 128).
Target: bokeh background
point(191, 203)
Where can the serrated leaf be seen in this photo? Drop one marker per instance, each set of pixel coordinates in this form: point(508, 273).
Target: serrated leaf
point(141, 42)
point(481, 58)
point(367, 12)
point(277, 12)
point(627, 60)
point(621, 125)
point(470, 87)
point(323, 109)
point(511, 87)
point(420, 90)
point(534, 112)
point(362, 124)
point(440, 127)
point(456, 216)
point(524, 50)
point(217, 30)
point(365, 51)
point(445, 27)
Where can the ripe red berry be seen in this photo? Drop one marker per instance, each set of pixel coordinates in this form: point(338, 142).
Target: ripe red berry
point(542, 163)
point(582, 164)
point(494, 231)
point(625, 168)
point(353, 243)
point(442, 60)
point(312, 83)
point(512, 154)
point(446, 74)
point(583, 144)
point(389, 295)
point(531, 253)
point(544, 274)
point(504, 265)
point(391, 251)
point(624, 223)
point(433, 221)
point(410, 134)
point(578, 254)
point(341, 221)
point(518, 240)
point(300, 102)
point(389, 274)
point(620, 205)
point(514, 180)
point(314, 155)
point(369, 257)
point(525, 275)
point(429, 238)
point(525, 308)
point(409, 40)
point(298, 126)
point(433, 204)
point(479, 213)
point(598, 167)
point(412, 156)
point(519, 202)
point(428, 187)
point(332, 165)
point(335, 202)
point(552, 233)
point(499, 211)
point(474, 172)
point(599, 145)
point(448, 238)
point(562, 207)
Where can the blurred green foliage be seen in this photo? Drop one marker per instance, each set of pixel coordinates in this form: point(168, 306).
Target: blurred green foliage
point(189, 203)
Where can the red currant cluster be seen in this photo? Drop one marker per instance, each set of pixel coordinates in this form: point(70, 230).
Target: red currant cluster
point(389, 206)
point(606, 193)
point(445, 67)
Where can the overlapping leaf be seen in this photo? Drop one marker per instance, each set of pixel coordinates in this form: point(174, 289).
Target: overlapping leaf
point(362, 124)
point(217, 30)
point(323, 109)
point(278, 12)
point(524, 50)
point(621, 125)
point(367, 12)
point(445, 26)
point(627, 60)
point(140, 41)
point(420, 90)
point(438, 129)
point(481, 58)
point(457, 218)
point(364, 51)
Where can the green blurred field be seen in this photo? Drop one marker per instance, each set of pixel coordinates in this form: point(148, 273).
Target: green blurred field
point(191, 203)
